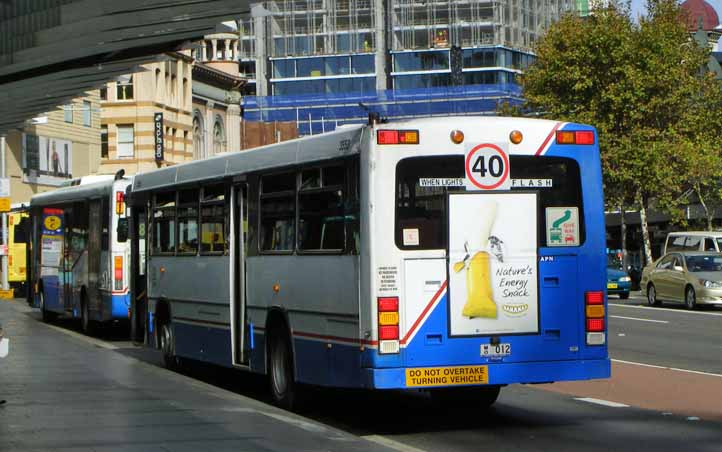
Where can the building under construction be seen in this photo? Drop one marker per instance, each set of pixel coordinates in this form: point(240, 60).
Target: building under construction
point(315, 61)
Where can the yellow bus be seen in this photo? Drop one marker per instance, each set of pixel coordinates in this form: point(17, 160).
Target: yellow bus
point(17, 251)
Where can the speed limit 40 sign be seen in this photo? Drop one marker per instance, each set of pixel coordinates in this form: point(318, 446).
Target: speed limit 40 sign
point(487, 167)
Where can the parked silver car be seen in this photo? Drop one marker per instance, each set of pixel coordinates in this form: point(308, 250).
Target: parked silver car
point(692, 278)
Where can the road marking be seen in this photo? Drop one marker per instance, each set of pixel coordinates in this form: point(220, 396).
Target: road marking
point(82, 337)
point(635, 318)
point(698, 372)
point(717, 314)
point(601, 402)
point(390, 443)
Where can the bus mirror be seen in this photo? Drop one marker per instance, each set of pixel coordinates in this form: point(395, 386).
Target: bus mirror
point(122, 230)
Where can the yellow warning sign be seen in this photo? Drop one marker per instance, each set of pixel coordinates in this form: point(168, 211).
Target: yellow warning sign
point(6, 294)
point(4, 204)
point(445, 376)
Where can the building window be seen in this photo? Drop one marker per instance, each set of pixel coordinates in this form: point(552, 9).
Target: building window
point(219, 139)
point(104, 142)
point(125, 88)
point(126, 141)
point(185, 142)
point(198, 145)
point(87, 110)
point(104, 93)
point(68, 113)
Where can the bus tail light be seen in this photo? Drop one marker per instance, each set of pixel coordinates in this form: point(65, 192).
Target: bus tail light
point(582, 137)
point(388, 324)
point(119, 202)
point(118, 272)
point(397, 137)
point(595, 312)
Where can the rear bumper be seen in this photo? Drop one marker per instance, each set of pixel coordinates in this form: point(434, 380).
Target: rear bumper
point(507, 373)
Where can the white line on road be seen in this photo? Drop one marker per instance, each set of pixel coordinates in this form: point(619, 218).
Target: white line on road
point(635, 318)
point(668, 368)
point(390, 443)
point(718, 314)
point(601, 402)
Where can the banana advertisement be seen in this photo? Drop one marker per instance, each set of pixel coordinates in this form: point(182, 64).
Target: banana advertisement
point(493, 274)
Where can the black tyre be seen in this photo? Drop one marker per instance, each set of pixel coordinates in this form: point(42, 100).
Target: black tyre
point(477, 397)
point(167, 346)
point(87, 325)
point(652, 296)
point(284, 390)
point(690, 298)
point(48, 316)
point(624, 295)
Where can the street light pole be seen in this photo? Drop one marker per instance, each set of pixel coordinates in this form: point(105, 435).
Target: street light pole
point(4, 256)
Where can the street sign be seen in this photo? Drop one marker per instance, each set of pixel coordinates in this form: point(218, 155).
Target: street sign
point(487, 167)
point(159, 144)
point(4, 204)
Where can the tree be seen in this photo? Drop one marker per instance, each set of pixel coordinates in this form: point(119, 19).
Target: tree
point(633, 82)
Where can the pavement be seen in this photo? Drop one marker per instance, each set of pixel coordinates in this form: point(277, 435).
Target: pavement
point(66, 392)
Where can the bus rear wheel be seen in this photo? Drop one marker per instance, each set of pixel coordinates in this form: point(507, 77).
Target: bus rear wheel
point(167, 346)
point(48, 316)
point(280, 370)
point(468, 397)
point(86, 324)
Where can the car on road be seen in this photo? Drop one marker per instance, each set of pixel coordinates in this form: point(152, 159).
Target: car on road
point(692, 278)
point(618, 283)
point(693, 241)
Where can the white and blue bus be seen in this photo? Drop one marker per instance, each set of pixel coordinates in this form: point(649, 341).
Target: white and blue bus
point(455, 255)
point(80, 252)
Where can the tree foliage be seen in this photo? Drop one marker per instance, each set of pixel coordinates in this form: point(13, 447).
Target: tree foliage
point(642, 85)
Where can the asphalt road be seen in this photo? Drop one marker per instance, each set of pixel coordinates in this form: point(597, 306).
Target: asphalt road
point(526, 418)
point(668, 336)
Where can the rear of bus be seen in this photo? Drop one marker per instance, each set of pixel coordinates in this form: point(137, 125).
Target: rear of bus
point(486, 252)
point(118, 260)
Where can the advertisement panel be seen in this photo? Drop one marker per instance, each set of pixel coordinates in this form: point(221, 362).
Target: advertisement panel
point(51, 242)
point(493, 263)
point(46, 161)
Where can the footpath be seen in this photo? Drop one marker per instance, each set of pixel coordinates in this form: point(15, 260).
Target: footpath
point(65, 393)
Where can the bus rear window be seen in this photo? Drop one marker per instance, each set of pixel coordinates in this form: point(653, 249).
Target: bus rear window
point(422, 184)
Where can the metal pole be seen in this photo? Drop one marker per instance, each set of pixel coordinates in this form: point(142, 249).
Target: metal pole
point(4, 219)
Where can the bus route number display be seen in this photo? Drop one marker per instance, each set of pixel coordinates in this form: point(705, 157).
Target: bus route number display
point(487, 167)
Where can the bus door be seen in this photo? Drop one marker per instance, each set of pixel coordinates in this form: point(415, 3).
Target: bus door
point(239, 234)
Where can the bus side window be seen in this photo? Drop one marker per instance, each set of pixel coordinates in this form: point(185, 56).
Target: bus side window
point(164, 213)
point(322, 220)
point(105, 219)
point(188, 221)
point(214, 210)
point(278, 212)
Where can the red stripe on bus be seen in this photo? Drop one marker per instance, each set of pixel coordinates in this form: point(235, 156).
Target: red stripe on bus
point(549, 137)
point(424, 312)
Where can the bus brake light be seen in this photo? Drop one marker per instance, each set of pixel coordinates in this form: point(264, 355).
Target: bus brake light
point(118, 272)
point(397, 137)
point(388, 304)
point(595, 297)
point(389, 333)
point(388, 323)
point(582, 137)
point(119, 202)
point(595, 325)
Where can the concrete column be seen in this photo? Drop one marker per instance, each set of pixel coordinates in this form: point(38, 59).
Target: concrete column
point(210, 122)
point(204, 57)
point(235, 51)
point(262, 55)
point(381, 44)
point(215, 50)
point(227, 55)
point(233, 128)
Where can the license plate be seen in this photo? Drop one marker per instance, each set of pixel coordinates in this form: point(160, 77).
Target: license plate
point(489, 350)
point(447, 376)
point(612, 285)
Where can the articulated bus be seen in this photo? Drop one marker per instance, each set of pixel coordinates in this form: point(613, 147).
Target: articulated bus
point(80, 252)
point(452, 255)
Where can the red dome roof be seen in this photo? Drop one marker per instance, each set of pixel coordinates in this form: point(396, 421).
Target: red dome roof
point(700, 8)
